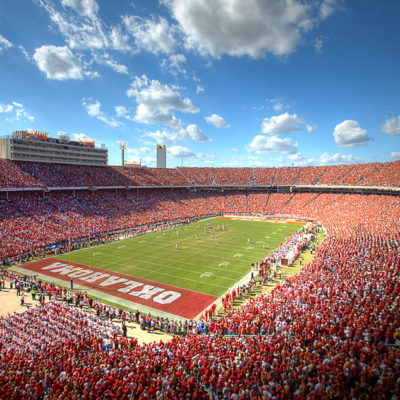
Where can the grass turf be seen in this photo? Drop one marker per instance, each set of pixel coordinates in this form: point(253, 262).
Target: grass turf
point(204, 265)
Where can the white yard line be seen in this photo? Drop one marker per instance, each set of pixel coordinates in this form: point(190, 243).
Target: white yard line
point(225, 256)
point(174, 276)
point(162, 266)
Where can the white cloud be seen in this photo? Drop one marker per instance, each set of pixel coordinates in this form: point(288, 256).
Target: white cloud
point(93, 110)
point(157, 101)
point(146, 150)
point(196, 134)
point(25, 53)
point(258, 108)
point(87, 8)
point(122, 112)
point(283, 123)
point(119, 40)
point(155, 37)
point(20, 113)
point(120, 68)
point(4, 43)
point(269, 144)
point(174, 64)
point(149, 161)
point(391, 126)
point(318, 45)
point(207, 159)
point(217, 27)
point(137, 154)
point(183, 153)
point(395, 155)
point(311, 128)
point(217, 121)
point(15, 111)
point(6, 108)
point(278, 105)
point(199, 89)
point(86, 33)
point(328, 7)
point(79, 32)
point(234, 149)
point(349, 134)
point(180, 152)
point(80, 136)
point(242, 161)
point(338, 158)
point(58, 63)
point(191, 132)
point(298, 159)
point(165, 136)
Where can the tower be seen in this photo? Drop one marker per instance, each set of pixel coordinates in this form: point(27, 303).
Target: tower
point(161, 156)
point(122, 146)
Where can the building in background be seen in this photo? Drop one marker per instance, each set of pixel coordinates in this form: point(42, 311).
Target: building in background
point(161, 156)
point(133, 163)
point(31, 145)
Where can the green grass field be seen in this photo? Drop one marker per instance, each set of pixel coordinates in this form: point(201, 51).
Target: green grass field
point(204, 265)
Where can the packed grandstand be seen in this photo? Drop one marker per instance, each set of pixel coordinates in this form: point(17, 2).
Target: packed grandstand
point(330, 332)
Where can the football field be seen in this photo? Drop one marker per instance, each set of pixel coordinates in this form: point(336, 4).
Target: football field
point(200, 257)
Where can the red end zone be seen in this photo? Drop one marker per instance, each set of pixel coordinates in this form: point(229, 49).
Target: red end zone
point(181, 302)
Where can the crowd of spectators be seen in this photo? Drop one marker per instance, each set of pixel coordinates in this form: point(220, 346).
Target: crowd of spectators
point(11, 175)
point(287, 175)
point(277, 202)
point(257, 202)
point(30, 174)
point(264, 176)
point(331, 332)
point(310, 175)
point(240, 176)
point(196, 176)
point(334, 174)
point(385, 174)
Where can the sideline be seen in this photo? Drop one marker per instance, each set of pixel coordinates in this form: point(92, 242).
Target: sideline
point(257, 290)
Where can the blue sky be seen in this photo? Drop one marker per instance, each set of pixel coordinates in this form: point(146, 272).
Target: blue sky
point(275, 83)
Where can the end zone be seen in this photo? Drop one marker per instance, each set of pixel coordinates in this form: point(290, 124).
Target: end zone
point(253, 218)
point(158, 296)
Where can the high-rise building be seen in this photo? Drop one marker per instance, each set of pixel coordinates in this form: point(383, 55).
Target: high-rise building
point(161, 156)
point(37, 146)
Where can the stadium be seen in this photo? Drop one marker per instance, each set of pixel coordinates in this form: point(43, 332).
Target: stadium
point(334, 325)
point(199, 199)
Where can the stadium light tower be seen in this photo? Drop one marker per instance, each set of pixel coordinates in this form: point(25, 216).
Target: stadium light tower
point(122, 146)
